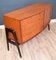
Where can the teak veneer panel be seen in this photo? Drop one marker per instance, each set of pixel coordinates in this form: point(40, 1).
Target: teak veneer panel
point(31, 26)
point(28, 21)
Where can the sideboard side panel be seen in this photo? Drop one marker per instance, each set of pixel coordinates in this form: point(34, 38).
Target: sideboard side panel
point(47, 15)
point(13, 24)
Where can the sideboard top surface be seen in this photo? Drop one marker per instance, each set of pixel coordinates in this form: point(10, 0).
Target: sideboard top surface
point(28, 11)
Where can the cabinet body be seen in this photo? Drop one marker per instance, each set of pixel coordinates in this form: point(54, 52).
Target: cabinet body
point(28, 21)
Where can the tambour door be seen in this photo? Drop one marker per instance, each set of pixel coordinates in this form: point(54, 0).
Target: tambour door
point(31, 26)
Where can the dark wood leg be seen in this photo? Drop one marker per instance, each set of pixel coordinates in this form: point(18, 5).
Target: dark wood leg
point(48, 26)
point(17, 43)
point(15, 39)
point(7, 45)
point(7, 40)
point(19, 50)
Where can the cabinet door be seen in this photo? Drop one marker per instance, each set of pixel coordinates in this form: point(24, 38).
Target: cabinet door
point(47, 17)
point(31, 26)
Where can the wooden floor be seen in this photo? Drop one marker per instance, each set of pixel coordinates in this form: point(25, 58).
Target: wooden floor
point(41, 47)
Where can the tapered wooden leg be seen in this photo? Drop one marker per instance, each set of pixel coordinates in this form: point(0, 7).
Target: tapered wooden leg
point(15, 39)
point(7, 45)
point(48, 26)
point(7, 40)
point(19, 50)
point(17, 43)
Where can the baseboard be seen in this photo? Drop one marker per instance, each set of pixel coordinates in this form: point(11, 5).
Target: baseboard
point(2, 26)
point(53, 20)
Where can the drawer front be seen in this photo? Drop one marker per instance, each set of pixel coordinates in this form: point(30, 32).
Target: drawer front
point(31, 26)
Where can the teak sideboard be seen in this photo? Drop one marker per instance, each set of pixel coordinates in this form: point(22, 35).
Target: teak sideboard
point(26, 22)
